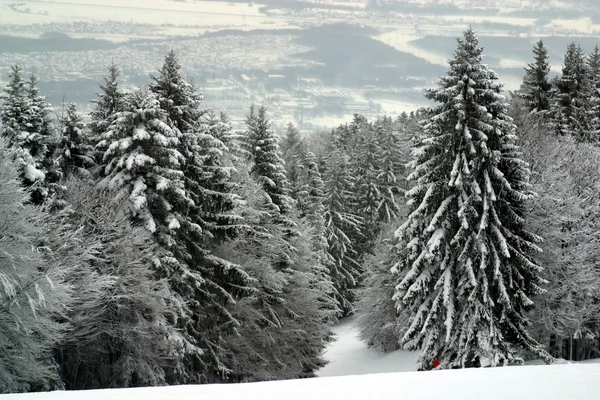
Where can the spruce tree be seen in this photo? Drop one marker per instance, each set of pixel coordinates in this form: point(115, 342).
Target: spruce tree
point(464, 267)
point(33, 293)
point(109, 101)
point(205, 221)
point(267, 167)
point(392, 157)
point(593, 62)
point(141, 159)
point(536, 88)
point(571, 109)
point(30, 135)
point(292, 150)
point(341, 224)
point(75, 151)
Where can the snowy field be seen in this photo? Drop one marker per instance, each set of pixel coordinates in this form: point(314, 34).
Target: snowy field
point(562, 382)
point(136, 11)
point(358, 373)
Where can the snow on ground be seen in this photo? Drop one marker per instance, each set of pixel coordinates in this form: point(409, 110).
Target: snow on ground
point(348, 355)
point(366, 380)
point(563, 382)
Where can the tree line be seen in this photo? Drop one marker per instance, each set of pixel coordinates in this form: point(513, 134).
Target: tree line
point(153, 245)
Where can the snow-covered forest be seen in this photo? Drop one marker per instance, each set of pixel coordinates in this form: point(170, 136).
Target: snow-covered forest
point(149, 244)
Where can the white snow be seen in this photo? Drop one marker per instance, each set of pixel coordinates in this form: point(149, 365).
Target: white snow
point(371, 374)
point(348, 355)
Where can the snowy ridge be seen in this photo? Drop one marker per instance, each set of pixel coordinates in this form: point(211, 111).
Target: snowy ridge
point(571, 381)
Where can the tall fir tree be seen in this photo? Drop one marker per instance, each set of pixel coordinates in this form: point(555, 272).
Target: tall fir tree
point(292, 150)
point(464, 267)
point(536, 88)
point(28, 128)
point(268, 168)
point(392, 156)
point(205, 221)
point(109, 101)
point(33, 294)
point(593, 62)
point(341, 225)
point(571, 108)
point(75, 153)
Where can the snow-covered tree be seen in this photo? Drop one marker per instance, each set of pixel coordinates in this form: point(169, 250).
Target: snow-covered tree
point(341, 224)
point(122, 331)
point(536, 88)
point(268, 168)
point(284, 321)
point(32, 292)
point(565, 178)
point(110, 100)
point(465, 268)
point(29, 134)
point(210, 284)
point(593, 62)
point(292, 150)
point(392, 155)
point(572, 112)
point(75, 151)
point(142, 161)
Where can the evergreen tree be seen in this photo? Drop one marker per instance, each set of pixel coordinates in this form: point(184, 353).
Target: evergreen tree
point(464, 259)
point(391, 156)
point(267, 167)
point(593, 62)
point(110, 101)
point(341, 225)
point(366, 192)
point(536, 86)
point(27, 127)
point(292, 150)
point(284, 321)
point(76, 153)
point(122, 332)
point(32, 292)
point(572, 111)
point(141, 159)
point(205, 220)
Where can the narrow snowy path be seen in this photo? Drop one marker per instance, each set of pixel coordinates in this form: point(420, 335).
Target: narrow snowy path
point(348, 355)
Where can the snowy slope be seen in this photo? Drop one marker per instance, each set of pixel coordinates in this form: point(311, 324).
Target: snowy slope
point(571, 381)
point(349, 356)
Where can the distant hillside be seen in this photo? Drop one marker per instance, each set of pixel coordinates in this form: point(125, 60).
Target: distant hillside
point(352, 58)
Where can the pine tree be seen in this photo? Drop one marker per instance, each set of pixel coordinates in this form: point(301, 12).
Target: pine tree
point(536, 86)
point(122, 332)
point(366, 192)
point(30, 135)
point(110, 101)
point(464, 259)
point(341, 225)
point(141, 159)
point(392, 157)
point(267, 167)
point(593, 62)
point(32, 292)
point(284, 321)
point(75, 151)
point(571, 109)
point(292, 151)
point(205, 220)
